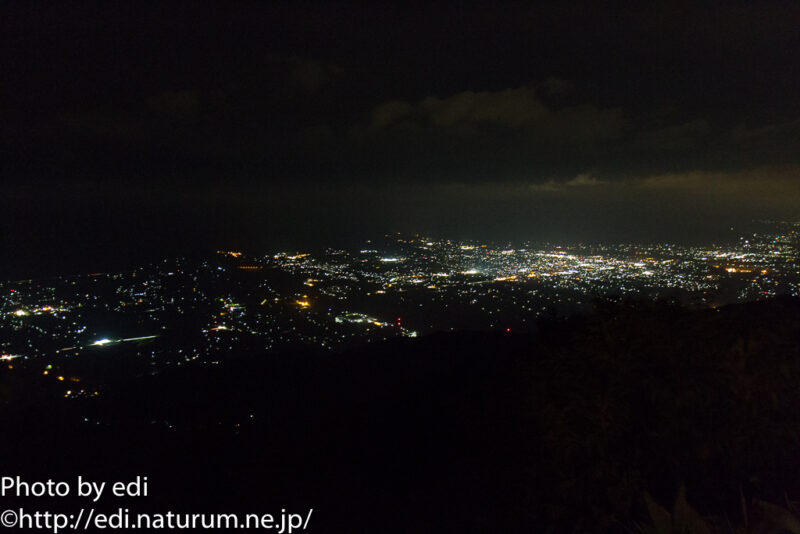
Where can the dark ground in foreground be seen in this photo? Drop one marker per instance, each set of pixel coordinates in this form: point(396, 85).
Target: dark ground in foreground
point(464, 432)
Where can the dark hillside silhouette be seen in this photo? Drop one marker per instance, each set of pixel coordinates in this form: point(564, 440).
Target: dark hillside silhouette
point(462, 432)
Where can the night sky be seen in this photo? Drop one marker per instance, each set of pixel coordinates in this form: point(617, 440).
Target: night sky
point(149, 129)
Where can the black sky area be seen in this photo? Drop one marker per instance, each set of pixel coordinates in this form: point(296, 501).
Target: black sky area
point(143, 129)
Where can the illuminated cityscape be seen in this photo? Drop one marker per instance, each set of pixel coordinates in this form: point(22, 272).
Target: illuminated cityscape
point(181, 312)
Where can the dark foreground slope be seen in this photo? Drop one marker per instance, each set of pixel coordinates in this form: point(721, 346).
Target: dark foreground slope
point(466, 432)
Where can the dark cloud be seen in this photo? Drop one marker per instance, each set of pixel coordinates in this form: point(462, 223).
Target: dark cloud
point(572, 118)
point(517, 109)
point(503, 135)
point(555, 86)
point(565, 186)
point(778, 142)
point(511, 108)
point(677, 136)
